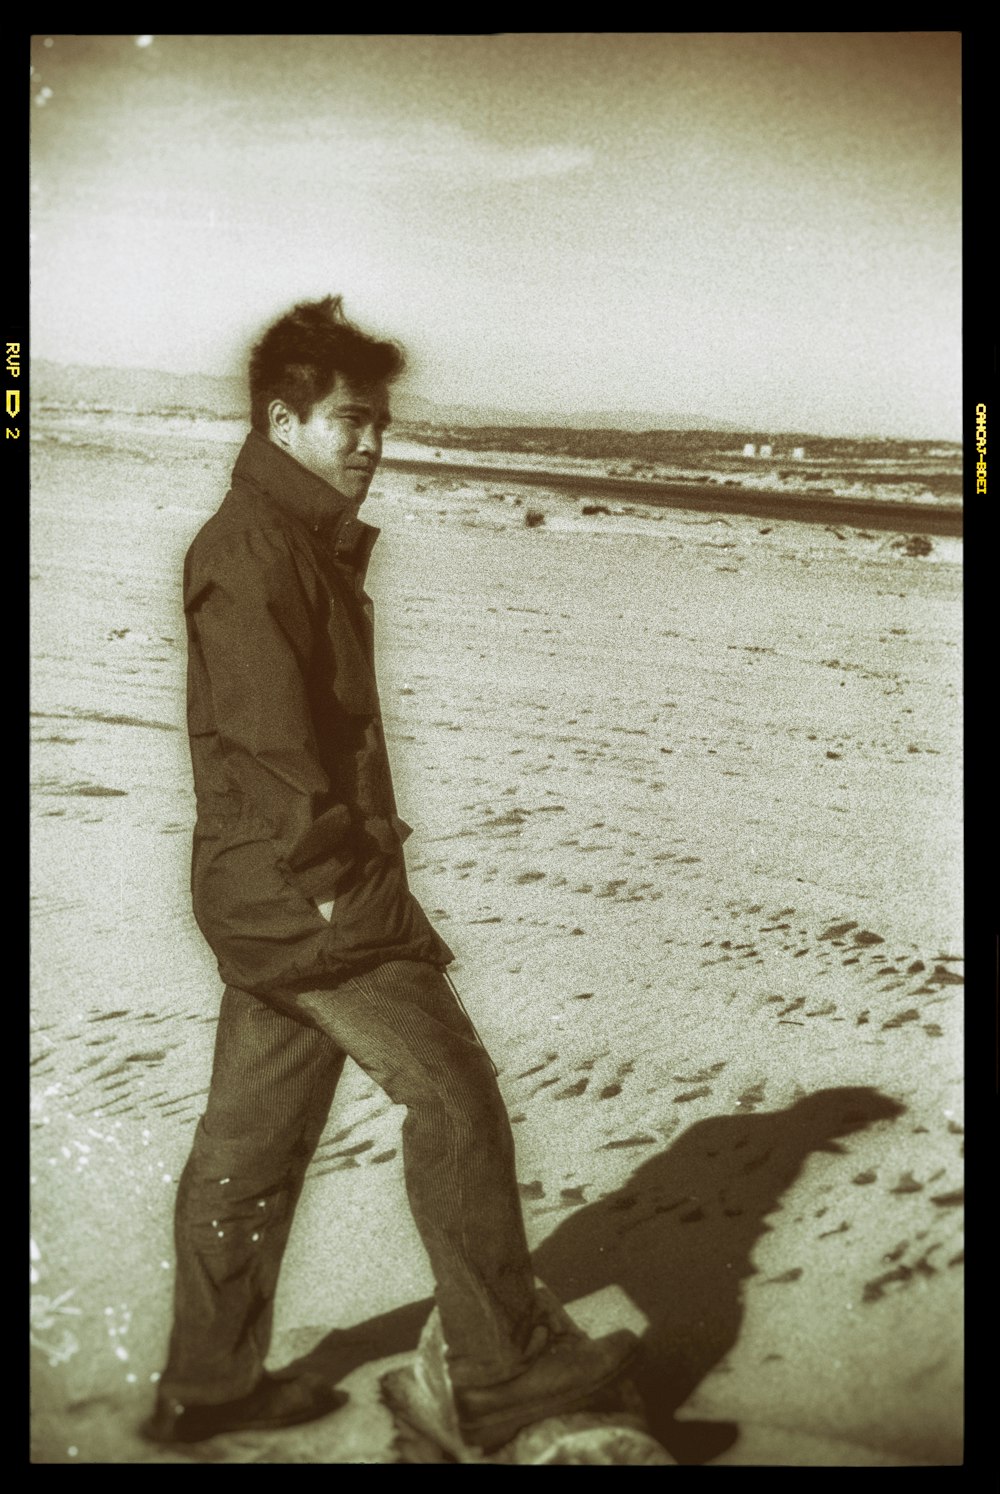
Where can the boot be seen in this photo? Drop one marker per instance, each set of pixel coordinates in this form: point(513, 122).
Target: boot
point(566, 1376)
point(275, 1402)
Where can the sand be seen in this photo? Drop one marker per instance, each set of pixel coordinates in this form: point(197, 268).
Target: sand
point(686, 797)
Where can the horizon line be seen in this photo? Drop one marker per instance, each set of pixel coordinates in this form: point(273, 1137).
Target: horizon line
point(558, 419)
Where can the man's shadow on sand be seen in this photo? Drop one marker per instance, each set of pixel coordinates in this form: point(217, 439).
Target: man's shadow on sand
point(677, 1238)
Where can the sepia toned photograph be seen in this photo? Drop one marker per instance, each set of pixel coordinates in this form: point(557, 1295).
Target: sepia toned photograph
point(496, 576)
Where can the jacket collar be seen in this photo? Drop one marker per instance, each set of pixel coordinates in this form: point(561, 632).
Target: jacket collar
point(307, 498)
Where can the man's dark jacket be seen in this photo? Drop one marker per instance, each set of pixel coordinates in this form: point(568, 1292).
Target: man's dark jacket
point(291, 773)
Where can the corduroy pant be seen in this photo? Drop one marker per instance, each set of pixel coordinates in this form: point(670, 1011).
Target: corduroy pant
point(273, 1079)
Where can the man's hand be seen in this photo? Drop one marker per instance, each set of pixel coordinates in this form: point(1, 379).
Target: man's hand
point(325, 908)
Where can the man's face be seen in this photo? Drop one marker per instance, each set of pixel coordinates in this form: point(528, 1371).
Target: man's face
point(341, 441)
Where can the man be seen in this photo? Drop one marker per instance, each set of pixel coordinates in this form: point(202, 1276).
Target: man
point(300, 888)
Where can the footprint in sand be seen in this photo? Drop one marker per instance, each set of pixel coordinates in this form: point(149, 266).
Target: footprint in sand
point(573, 1090)
point(628, 1141)
point(614, 1088)
point(907, 1184)
point(864, 950)
point(752, 1097)
point(549, 1058)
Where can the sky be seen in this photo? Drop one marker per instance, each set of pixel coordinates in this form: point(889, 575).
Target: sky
point(751, 227)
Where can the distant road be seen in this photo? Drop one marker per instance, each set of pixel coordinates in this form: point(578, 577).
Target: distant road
point(924, 518)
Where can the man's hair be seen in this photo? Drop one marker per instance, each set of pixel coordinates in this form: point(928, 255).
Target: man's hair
point(298, 359)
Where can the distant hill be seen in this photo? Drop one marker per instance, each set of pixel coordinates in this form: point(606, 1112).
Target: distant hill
point(151, 390)
point(137, 389)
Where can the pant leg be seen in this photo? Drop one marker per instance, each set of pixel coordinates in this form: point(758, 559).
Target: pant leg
point(273, 1080)
point(403, 1025)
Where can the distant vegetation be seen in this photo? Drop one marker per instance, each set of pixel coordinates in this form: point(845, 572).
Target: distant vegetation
point(648, 448)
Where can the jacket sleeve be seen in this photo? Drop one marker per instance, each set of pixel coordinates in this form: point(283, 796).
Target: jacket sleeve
point(251, 630)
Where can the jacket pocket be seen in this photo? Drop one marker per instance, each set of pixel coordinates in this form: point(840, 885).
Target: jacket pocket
point(324, 835)
point(241, 894)
point(386, 833)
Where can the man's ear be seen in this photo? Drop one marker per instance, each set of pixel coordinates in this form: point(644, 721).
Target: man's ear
point(280, 421)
